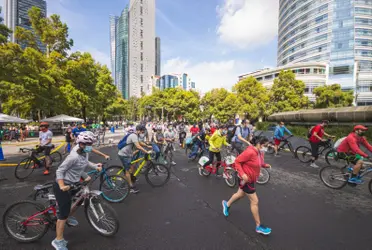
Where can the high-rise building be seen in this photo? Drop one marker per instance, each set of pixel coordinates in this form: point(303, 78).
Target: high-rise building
point(157, 56)
point(122, 54)
point(16, 14)
point(113, 25)
point(337, 32)
point(182, 81)
point(141, 45)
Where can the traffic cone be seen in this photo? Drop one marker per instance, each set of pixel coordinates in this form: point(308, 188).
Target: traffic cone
point(1, 153)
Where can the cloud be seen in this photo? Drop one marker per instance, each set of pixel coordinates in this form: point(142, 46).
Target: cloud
point(98, 55)
point(248, 24)
point(208, 75)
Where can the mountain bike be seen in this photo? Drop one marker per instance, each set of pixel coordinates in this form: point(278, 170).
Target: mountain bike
point(168, 153)
point(156, 174)
point(32, 225)
point(283, 144)
point(27, 166)
point(304, 153)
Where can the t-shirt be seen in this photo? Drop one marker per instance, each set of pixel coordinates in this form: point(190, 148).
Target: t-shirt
point(76, 131)
point(68, 136)
point(320, 132)
point(44, 137)
point(170, 134)
point(127, 151)
point(241, 131)
point(159, 137)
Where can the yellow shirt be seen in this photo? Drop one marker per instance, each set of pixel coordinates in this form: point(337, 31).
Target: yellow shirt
point(216, 142)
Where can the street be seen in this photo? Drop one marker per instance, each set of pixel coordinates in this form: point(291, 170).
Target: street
point(187, 214)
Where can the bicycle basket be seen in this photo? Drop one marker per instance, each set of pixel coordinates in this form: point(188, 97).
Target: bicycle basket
point(203, 160)
point(230, 160)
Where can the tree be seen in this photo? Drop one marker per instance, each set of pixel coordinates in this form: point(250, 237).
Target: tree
point(253, 98)
point(331, 96)
point(221, 104)
point(4, 31)
point(287, 93)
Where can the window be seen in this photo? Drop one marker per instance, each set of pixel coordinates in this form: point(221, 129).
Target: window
point(307, 71)
point(141, 67)
point(141, 10)
point(141, 44)
point(141, 56)
point(315, 71)
point(259, 78)
point(339, 45)
point(320, 49)
point(341, 24)
point(365, 43)
point(141, 33)
point(141, 78)
point(276, 75)
point(141, 21)
point(141, 90)
point(141, 1)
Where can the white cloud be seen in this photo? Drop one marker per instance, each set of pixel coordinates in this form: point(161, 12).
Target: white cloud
point(248, 24)
point(208, 75)
point(98, 55)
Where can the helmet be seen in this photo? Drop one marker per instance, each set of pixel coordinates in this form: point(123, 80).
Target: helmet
point(159, 128)
point(44, 124)
point(141, 128)
point(86, 137)
point(360, 127)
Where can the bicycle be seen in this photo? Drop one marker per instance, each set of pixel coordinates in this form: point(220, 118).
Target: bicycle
point(285, 142)
point(150, 168)
point(27, 166)
point(342, 175)
point(44, 218)
point(168, 153)
point(201, 152)
point(304, 153)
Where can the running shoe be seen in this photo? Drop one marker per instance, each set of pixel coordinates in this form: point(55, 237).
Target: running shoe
point(225, 208)
point(134, 190)
point(261, 229)
point(355, 180)
point(313, 165)
point(59, 244)
point(72, 222)
point(46, 172)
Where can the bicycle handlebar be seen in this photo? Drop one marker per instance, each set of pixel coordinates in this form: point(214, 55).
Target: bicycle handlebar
point(26, 150)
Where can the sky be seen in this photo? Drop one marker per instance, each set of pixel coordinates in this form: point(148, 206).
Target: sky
point(214, 41)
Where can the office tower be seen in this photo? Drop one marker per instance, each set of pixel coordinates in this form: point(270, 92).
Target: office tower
point(141, 45)
point(113, 25)
point(157, 56)
point(16, 14)
point(122, 54)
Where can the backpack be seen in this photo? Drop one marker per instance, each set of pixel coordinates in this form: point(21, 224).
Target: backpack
point(231, 133)
point(338, 142)
point(310, 132)
point(123, 142)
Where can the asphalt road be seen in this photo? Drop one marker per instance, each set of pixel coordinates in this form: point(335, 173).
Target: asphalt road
point(187, 213)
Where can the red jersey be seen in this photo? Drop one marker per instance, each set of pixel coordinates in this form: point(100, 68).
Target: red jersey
point(250, 162)
point(194, 130)
point(351, 145)
point(320, 132)
point(213, 129)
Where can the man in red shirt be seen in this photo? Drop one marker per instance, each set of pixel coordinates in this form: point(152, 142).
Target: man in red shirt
point(350, 147)
point(316, 140)
point(248, 165)
point(194, 130)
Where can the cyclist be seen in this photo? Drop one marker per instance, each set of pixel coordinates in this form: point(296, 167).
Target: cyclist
point(91, 134)
point(170, 137)
point(316, 140)
point(77, 130)
point(194, 130)
point(181, 133)
point(241, 136)
point(248, 165)
point(279, 132)
point(158, 141)
point(215, 143)
point(45, 138)
point(126, 154)
point(70, 172)
point(69, 138)
point(350, 146)
point(198, 142)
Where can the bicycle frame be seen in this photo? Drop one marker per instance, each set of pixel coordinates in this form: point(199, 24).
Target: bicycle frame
point(143, 163)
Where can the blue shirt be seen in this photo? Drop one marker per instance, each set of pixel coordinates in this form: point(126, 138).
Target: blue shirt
point(76, 131)
point(279, 132)
point(243, 132)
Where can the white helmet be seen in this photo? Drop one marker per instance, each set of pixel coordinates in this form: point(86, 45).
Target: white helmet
point(86, 137)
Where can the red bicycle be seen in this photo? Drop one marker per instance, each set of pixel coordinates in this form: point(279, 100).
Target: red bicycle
point(28, 221)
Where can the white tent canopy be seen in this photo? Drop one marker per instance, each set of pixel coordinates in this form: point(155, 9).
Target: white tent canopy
point(62, 118)
point(11, 119)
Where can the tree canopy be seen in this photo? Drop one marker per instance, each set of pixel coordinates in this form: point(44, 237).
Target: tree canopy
point(331, 96)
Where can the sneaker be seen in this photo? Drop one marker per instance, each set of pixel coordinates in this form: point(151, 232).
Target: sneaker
point(200, 170)
point(355, 180)
point(313, 165)
point(225, 208)
point(46, 172)
point(173, 163)
point(261, 229)
point(59, 244)
point(72, 222)
point(134, 190)
point(277, 155)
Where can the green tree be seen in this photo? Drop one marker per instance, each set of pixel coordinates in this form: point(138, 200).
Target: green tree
point(4, 31)
point(221, 104)
point(287, 93)
point(331, 96)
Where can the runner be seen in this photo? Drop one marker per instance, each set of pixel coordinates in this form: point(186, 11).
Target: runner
point(248, 165)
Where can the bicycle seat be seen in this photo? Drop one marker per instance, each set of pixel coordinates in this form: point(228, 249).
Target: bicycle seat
point(43, 187)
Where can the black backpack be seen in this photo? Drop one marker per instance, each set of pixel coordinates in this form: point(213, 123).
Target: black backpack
point(231, 133)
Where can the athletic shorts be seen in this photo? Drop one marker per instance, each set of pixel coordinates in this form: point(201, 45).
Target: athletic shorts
point(248, 187)
point(126, 162)
point(277, 141)
point(64, 200)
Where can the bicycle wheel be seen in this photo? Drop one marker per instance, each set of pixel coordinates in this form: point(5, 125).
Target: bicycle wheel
point(115, 170)
point(155, 177)
point(24, 169)
point(56, 158)
point(15, 225)
point(230, 178)
point(331, 157)
point(102, 217)
point(303, 153)
point(270, 149)
point(264, 176)
point(334, 177)
point(115, 188)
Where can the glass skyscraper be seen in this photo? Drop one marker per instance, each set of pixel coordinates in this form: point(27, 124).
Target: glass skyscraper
point(122, 54)
point(113, 25)
point(16, 14)
point(337, 32)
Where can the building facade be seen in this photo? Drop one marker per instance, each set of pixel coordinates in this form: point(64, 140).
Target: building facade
point(157, 57)
point(113, 26)
point(122, 54)
point(175, 81)
point(336, 32)
point(16, 14)
point(141, 45)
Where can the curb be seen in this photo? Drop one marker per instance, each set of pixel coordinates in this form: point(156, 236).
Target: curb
point(25, 144)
